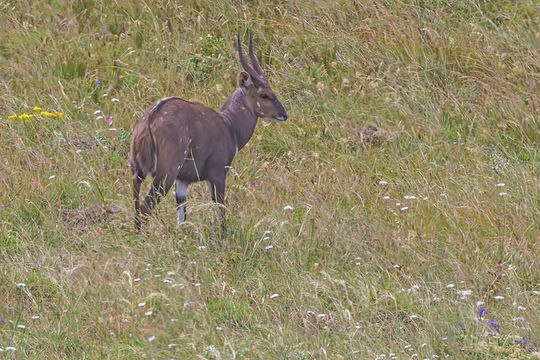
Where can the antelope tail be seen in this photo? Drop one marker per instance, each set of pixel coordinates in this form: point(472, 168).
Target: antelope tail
point(143, 152)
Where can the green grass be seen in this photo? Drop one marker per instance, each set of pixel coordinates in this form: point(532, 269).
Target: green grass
point(453, 88)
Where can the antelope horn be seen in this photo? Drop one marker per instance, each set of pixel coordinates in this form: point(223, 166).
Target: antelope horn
point(244, 62)
point(254, 61)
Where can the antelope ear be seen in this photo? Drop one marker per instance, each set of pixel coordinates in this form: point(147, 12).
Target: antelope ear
point(244, 80)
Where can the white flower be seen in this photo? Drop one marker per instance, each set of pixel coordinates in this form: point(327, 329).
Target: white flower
point(115, 100)
point(409, 197)
point(269, 247)
point(171, 345)
point(268, 232)
point(157, 275)
point(502, 194)
point(174, 320)
point(521, 308)
point(21, 326)
point(167, 281)
point(266, 238)
point(382, 182)
point(500, 184)
point(10, 348)
point(137, 279)
point(99, 117)
point(450, 285)
point(151, 338)
point(35, 317)
point(386, 197)
point(536, 292)
point(21, 285)
point(273, 296)
point(288, 207)
point(141, 304)
point(97, 112)
point(321, 316)
point(197, 284)
point(170, 273)
point(52, 176)
point(404, 208)
point(201, 247)
point(148, 313)
point(498, 297)
point(219, 328)
point(478, 303)
point(396, 266)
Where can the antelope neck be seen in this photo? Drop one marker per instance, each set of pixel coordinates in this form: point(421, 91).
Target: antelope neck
point(239, 117)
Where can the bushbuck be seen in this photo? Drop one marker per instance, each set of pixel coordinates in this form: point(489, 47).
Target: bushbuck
point(186, 142)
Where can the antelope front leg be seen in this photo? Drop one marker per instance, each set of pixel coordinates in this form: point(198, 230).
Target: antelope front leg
point(217, 190)
point(181, 193)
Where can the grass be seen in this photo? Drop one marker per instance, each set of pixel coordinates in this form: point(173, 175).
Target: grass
point(361, 268)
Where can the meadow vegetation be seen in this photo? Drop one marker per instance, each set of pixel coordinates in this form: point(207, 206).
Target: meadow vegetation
point(416, 239)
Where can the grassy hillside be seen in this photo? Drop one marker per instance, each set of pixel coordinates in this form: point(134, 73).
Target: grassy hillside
point(402, 243)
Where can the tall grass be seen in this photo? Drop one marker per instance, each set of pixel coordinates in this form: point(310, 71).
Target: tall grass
point(391, 246)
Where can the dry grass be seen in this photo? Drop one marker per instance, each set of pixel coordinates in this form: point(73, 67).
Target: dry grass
point(404, 116)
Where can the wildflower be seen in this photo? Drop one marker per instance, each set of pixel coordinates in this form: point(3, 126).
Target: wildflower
point(521, 308)
point(37, 108)
point(21, 285)
point(115, 100)
point(171, 345)
point(2, 320)
point(148, 313)
point(288, 207)
point(21, 326)
point(109, 119)
point(409, 197)
point(151, 338)
point(386, 197)
point(10, 348)
point(137, 279)
point(404, 208)
point(382, 182)
point(12, 116)
point(273, 296)
point(498, 297)
point(35, 317)
point(450, 285)
point(98, 83)
point(2, 206)
point(502, 194)
point(201, 247)
point(141, 304)
point(500, 184)
point(269, 247)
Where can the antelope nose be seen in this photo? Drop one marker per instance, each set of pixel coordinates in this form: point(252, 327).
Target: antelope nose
point(284, 116)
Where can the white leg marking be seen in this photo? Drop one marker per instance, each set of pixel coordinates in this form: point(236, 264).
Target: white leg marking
point(181, 193)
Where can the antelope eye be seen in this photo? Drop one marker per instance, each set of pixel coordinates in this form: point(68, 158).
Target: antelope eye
point(264, 96)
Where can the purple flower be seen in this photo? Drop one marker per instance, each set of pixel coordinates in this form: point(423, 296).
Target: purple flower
point(1, 320)
point(2, 206)
point(98, 83)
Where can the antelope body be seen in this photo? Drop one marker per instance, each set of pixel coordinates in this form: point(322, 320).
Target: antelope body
point(186, 142)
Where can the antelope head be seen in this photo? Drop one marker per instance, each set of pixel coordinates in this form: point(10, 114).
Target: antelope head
point(259, 96)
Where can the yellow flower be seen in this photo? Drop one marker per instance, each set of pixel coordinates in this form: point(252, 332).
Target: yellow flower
point(13, 116)
point(43, 113)
point(37, 108)
point(25, 120)
point(60, 114)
